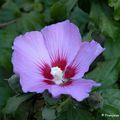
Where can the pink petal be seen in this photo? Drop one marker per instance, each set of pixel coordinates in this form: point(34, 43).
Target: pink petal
point(86, 55)
point(79, 89)
point(62, 40)
point(40, 87)
point(29, 54)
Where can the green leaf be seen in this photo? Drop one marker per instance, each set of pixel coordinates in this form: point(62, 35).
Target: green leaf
point(80, 18)
point(105, 73)
point(38, 115)
point(29, 21)
point(58, 7)
point(116, 5)
point(7, 36)
point(14, 84)
point(62, 9)
point(103, 21)
point(70, 5)
point(73, 112)
point(14, 102)
point(111, 102)
point(5, 62)
point(110, 109)
point(48, 114)
point(95, 101)
point(2, 2)
point(5, 92)
point(21, 113)
point(112, 48)
point(9, 11)
point(38, 7)
point(49, 99)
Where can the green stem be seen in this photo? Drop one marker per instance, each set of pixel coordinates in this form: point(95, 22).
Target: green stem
point(7, 23)
point(64, 102)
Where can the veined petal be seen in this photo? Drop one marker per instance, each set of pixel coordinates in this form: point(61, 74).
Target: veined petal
point(29, 55)
point(62, 41)
point(40, 87)
point(86, 55)
point(78, 89)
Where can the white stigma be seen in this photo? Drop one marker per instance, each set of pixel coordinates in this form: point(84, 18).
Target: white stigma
point(58, 75)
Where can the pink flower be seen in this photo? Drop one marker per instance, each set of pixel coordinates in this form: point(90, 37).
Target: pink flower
point(55, 59)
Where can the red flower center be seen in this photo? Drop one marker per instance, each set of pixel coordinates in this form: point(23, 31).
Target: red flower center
point(59, 73)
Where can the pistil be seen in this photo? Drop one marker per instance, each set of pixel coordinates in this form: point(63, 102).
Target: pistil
point(58, 75)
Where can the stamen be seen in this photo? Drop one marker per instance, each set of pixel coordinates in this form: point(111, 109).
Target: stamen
point(57, 72)
point(58, 75)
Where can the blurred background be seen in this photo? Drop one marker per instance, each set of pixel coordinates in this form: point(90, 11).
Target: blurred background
point(96, 19)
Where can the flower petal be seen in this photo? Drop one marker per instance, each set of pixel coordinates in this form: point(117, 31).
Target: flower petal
point(79, 89)
point(28, 56)
point(86, 55)
point(62, 40)
point(40, 87)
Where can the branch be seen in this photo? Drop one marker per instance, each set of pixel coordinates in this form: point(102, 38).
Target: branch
point(7, 23)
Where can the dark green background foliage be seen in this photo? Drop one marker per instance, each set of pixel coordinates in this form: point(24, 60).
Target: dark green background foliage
point(97, 19)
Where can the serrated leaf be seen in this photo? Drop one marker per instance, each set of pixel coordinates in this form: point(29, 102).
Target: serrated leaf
point(111, 102)
point(70, 5)
point(14, 102)
point(105, 73)
point(104, 22)
point(73, 112)
point(112, 49)
point(110, 109)
point(38, 115)
point(62, 11)
point(23, 112)
point(5, 93)
point(49, 99)
point(48, 114)
point(9, 11)
point(38, 7)
point(6, 39)
point(116, 5)
point(63, 8)
point(95, 101)
point(79, 17)
point(14, 84)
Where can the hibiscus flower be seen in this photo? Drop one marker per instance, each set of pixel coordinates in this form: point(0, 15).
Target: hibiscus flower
point(55, 59)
